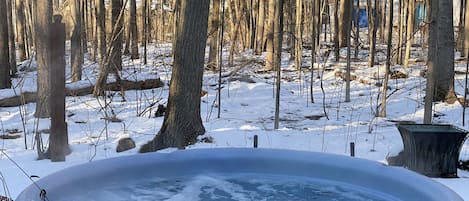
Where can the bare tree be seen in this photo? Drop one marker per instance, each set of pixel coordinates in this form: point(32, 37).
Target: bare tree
point(410, 31)
point(345, 16)
point(260, 28)
point(11, 37)
point(182, 122)
point(372, 29)
point(299, 36)
point(115, 58)
point(269, 59)
point(213, 34)
point(102, 55)
point(20, 29)
point(440, 74)
point(76, 57)
point(133, 30)
point(278, 36)
point(388, 59)
point(43, 19)
point(5, 81)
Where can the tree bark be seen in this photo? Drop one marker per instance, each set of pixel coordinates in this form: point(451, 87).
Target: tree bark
point(278, 36)
point(11, 38)
point(5, 81)
point(345, 16)
point(269, 59)
point(43, 20)
point(260, 28)
point(299, 36)
point(372, 29)
point(115, 60)
point(213, 34)
point(102, 55)
point(466, 30)
point(440, 74)
point(388, 60)
point(76, 57)
point(182, 122)
point(133, 30)
point(410, 31)
point(20, 30)
point(336, 30)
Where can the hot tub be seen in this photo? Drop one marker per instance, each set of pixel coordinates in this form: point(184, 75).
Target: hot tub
point(236, 174)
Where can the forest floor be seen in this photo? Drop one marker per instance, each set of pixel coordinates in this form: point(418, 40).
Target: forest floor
point(246, 109)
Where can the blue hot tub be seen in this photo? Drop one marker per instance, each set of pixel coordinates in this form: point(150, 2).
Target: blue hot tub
point(236, 174)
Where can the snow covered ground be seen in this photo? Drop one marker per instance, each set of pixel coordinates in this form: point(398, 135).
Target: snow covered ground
point(247, 109)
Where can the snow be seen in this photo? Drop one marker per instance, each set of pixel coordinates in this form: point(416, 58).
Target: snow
point(247, 109)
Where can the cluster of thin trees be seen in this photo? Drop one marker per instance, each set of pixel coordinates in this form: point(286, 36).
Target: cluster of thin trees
point(107, 30)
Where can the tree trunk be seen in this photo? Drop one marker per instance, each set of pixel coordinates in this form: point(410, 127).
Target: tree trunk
point(401, 32)
point(43, 19)
point(278, 36)
point(269, 59)
point(291, 24)
point(388, 60)
point(372, 28)
point(133, 30)
point(345, 16)
point(182, 122)
point(11, 38)
point(299, 37)
point(115, 60)
point(440, 75)
point(410, 31)
point(466, 30)
point(76, 57)
point(260, 28)
point(336, 30)
point(20, 30)
point(213, 34)
point(102, 55)
point(5, 81)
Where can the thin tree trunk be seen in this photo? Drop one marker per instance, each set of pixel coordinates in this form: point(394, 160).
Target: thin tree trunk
point(388, 60)
point(116, 42)
point(400, 22)
point(11, 38)
point(94, 49)
point(291, 24)
point(20, 30)
point(348, 68)
point(372, 28)
point(145, 28)
point(5, 81)
point(410, 32)
point(102, 55)
point(76, 58)
point(182, 122)
point(133, 30)
point(278, 36)
point(299, 37)
point(260, 28)
point(269, 59)
point(336, 30)
point(213, 34)
point(466, 30)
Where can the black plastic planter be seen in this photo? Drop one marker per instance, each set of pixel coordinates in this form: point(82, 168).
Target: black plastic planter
point(432, 150)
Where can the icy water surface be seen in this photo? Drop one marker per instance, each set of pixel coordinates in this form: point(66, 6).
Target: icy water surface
point(240, 187)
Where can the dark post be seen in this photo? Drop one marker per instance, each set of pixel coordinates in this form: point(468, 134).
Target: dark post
point(352, 149)
point(58, 137)
point(255, 141)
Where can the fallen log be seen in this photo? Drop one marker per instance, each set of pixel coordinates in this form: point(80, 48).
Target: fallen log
point(30, 97)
